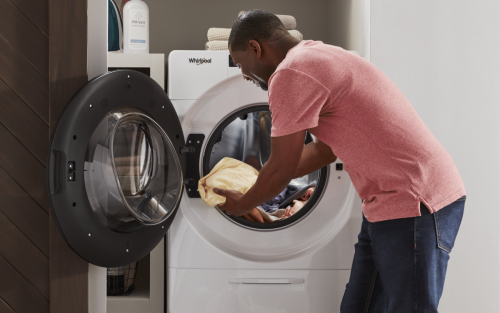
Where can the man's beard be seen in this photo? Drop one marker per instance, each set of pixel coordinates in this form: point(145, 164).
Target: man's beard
point(262, 86)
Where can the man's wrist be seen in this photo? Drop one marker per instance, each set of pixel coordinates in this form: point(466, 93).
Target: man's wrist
point(246, 205)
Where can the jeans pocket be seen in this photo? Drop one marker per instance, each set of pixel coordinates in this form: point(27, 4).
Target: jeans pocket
point(448, 221)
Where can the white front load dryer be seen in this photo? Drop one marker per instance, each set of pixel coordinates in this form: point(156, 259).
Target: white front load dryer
point(225, 264)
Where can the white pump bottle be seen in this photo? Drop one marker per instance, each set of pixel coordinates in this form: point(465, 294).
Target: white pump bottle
point(136, 27)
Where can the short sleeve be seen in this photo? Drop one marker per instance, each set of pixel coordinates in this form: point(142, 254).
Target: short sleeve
point(295, 100)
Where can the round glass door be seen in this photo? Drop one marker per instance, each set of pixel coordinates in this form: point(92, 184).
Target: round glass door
point(132, 173)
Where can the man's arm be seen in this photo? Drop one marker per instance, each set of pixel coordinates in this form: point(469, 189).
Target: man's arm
point(289, 159)
point(315, 155)
point(275, 175)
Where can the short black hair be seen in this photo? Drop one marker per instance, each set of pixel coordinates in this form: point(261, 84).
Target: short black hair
point(255, 25)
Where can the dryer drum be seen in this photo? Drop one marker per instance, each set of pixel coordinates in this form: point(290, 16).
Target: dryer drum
point(245, 135)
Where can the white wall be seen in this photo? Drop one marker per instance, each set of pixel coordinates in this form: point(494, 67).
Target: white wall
point(348, 25)
point(445, 56)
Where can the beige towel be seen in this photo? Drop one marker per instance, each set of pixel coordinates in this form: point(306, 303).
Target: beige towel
point(287, 20)
point(272, 217)
point(222, 35)
point(229, 174)
point(296, 34)
point(217, 45)
point(218, 34)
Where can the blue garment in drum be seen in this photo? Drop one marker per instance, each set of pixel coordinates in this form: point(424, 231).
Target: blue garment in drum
point(272, 205)
point(294, 192)
point(286, 197)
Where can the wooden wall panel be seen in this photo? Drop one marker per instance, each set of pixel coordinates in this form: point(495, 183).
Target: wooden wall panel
point(24, 137)
point(39, 72)
point(37, 11)
point(4, 308)
point(23, 167)
point(24, 79)
point(68, 52)
point(15, 115)
point(18, 294)
point(68, 276)
point(25, 37)
point(67, 73)
point(24, 212)
point(29, 261)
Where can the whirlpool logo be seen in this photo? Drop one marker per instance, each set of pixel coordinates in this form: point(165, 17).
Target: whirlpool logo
point(199, 61)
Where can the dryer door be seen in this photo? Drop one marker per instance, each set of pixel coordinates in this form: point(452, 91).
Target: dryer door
point(115, 171)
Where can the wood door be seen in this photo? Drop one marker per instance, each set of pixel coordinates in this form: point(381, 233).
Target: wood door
point(43, 61)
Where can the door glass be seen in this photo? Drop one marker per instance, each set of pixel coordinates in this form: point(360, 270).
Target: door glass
point(132, 173)
point(133, 157)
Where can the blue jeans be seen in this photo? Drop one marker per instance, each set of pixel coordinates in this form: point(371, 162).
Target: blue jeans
point(400, 265)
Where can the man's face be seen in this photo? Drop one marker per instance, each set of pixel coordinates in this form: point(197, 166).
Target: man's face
point(253, 65)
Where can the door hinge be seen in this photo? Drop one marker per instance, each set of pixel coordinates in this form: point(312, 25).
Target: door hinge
point(192, 150)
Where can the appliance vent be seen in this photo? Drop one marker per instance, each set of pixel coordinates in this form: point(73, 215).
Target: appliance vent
point(152, 103)
point(104, 102)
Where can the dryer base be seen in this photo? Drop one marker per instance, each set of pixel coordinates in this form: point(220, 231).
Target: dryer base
point(255, 291)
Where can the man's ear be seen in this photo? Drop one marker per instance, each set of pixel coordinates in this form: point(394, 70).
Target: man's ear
point(254, 47)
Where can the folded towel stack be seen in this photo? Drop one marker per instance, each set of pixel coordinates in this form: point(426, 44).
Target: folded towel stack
point(218, 37)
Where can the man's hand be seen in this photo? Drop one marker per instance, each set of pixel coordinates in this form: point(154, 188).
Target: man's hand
point(233, 204)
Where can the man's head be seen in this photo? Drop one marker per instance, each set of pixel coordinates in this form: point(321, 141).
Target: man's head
point(258, 43)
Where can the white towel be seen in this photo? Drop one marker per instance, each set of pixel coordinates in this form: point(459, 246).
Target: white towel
point(222, 34)
point(287, 20)
point(217, 45)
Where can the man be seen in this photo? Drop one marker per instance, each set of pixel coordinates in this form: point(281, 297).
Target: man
point(413, 196)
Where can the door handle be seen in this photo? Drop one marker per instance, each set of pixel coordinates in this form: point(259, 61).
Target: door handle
point(56, 172)
point(267, 284)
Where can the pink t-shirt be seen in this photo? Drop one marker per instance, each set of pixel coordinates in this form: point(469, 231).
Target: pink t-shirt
point(393, 159)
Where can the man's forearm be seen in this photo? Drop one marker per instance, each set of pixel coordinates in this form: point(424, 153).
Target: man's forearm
point(272, 179)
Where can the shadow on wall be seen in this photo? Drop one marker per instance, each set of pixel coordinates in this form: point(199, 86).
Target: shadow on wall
point(346, 24)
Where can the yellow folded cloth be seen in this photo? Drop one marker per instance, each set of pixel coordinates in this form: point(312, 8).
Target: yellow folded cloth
point(229, 174)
